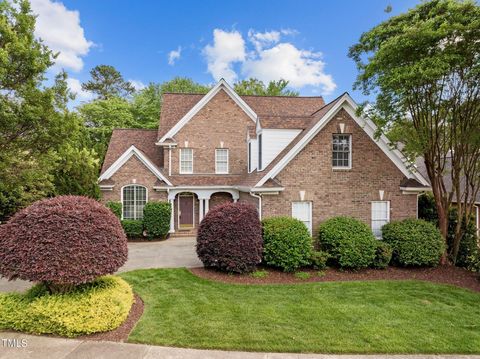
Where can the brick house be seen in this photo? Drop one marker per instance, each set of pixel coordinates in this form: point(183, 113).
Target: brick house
point(289, 156)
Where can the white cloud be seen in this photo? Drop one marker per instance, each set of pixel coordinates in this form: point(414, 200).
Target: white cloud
point(227, 48)
point(174, 55)
point(262, 39)
point(139, 85)
point(284, 61)
point(61, 31)
point(76, 87)
point(269, 59)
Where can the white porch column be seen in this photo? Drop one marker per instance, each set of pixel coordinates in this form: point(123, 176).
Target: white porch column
point(200, 210)
point(172, 220)
point(207, 200)
point(235, 200)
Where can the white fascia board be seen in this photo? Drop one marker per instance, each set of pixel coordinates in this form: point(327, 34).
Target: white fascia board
point(132, 151)
point(368, 126)
point(221, 85)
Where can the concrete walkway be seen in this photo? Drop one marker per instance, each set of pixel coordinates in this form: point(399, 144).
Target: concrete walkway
point(172, 253)
point(36, 347)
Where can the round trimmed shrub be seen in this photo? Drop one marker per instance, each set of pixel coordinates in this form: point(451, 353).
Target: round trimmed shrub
point(94, 307)
point(383, 255)
point(350, 242)
point(62, 241)
point(156, 219)
point(287, 244)
point(230, 238)
point(415, 242)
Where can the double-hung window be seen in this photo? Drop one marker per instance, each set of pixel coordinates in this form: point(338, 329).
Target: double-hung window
point(134, 198)
point(380, 216)
point(342, 151)
point(221, 160)
point(303, 212)
point(186, 160)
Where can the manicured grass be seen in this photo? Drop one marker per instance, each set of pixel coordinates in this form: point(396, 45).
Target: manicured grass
point(336, 317)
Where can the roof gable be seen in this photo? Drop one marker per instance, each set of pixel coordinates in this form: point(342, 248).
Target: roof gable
point(132, 151)
point(221, 85)
point(324, 115)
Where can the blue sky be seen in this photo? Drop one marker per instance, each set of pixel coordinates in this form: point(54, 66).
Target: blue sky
point(305, 41)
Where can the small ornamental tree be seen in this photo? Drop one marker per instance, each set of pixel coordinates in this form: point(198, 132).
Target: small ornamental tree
point(62, 241)
point(230, 238)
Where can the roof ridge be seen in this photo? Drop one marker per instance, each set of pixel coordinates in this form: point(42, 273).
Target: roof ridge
point(331, 102)
point(274, 96)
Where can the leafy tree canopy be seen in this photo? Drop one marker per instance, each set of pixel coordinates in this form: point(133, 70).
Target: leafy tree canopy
point(424, 67)
point(254, 86)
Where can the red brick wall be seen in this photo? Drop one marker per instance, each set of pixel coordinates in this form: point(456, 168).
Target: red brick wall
point(341, 192)
point(220, 120)
point(133, 170)
point(219, 198)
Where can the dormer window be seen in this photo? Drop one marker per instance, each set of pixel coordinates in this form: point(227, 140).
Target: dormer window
point(221, 161)
point(186, 161)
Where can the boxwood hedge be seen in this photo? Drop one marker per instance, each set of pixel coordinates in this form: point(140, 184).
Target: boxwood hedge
point(415, 242)
point(350, 242)
point(287, 244)
point(156, 219)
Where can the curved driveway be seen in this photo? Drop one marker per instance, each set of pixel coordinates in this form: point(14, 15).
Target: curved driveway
point(172, 253)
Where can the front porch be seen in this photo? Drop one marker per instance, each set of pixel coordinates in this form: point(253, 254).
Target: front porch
point(191, 204)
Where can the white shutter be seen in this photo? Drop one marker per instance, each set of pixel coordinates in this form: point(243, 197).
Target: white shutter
point(303, 212)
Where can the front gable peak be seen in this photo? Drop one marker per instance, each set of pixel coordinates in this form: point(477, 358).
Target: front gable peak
point(221, 85)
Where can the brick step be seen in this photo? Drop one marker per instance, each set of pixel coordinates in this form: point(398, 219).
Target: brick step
point(189, 233)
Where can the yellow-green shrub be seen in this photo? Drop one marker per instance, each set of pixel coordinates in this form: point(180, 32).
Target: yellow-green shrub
point(90, 308)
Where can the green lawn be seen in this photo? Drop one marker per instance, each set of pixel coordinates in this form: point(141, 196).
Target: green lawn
point(343, 317)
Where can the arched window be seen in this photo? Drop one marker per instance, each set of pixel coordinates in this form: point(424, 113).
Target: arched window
point(134, 198)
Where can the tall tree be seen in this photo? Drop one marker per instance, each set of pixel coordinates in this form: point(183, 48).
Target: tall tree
point(425, 66)
point(34, 119)
point(107, 82)
point(254, 86)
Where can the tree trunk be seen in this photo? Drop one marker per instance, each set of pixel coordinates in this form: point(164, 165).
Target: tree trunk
point(443, 226)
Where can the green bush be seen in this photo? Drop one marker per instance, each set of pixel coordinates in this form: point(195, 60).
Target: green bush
point(383, 255)
point(98, 306)
point(156, 219)
point(133, 228)
point(318, 259)
point(287, 244)
point(115, 207)
point(349, 242)
point(468, 251)
point(415, 242)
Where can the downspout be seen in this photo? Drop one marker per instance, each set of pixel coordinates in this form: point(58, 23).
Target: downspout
point(259, 197)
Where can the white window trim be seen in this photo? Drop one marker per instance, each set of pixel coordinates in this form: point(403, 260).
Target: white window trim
point(310, 214)
point(349, 167)
point(371, 212)
point(132, 184)
point(180, 162)
point(228, 161)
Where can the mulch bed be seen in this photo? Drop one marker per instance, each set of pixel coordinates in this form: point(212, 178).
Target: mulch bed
point(441, 274)
point(121, 333)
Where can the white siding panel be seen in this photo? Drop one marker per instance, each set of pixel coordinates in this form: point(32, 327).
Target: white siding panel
point(254, 154)
point(274, 141)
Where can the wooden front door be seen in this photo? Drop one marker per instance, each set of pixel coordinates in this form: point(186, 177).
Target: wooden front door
point(186, 210)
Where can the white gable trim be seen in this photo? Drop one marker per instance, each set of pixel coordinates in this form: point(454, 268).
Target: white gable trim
point(133, 151)
point(221, 85)
point(368, 126)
